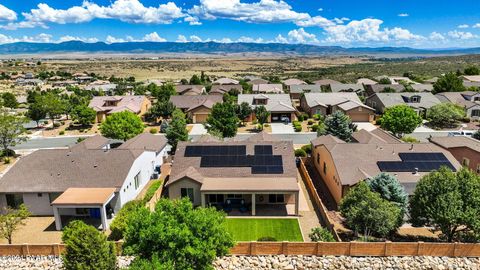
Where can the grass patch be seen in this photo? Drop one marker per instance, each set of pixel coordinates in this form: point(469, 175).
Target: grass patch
point(246, 229)
point(152, 189)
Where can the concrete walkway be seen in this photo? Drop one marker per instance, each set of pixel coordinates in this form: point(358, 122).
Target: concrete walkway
point(198, 129)
point(308, 218)
point(281, 128)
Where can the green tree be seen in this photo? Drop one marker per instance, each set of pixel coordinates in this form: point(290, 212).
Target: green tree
point(87, 248)
point(450, 82)
point(177, 232)
point(384, 80)
point(400, 120)
point(52, 104)
point(177, 129)
point(367, 213)
point(243, 110)
point(162, 93)
point(261, 114)
point(119, 223)
point(223, 119)
point(448, 201)
point(476, 135)
point(195, 80)
point(472, 70)
point(10, 219)
point(84, 115)
point(320, 234)
point(445, 115)
point(391, 190)
point(122, 126)
point(36, 112)
point(162, 109)
point(151, 264)
point(9, 100)
point(11, 130)
point(338, 124)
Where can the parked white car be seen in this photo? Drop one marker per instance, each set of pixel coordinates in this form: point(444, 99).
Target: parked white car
point(466, 133)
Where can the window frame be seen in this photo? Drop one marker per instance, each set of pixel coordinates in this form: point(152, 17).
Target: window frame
point(187, 192)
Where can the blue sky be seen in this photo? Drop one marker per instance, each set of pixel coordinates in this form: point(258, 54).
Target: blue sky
point(373, 23)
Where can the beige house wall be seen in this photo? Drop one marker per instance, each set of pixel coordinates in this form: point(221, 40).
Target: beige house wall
point(322, 156)
point(200, 115)
point(360, 114)
point(174, 190)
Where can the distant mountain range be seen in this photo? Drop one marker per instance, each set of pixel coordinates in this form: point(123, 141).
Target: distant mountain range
point(216, 48)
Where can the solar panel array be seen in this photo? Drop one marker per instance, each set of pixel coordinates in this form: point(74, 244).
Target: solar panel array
point(262, 162)
point(421, 162)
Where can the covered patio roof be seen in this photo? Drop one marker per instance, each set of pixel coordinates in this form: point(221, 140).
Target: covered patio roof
point(85, 196)
point(254, 184)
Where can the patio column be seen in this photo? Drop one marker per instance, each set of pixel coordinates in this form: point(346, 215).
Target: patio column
point(58, 219)
point(202, 198)
point(103, 217)
point(253, 204)
point(296, 202)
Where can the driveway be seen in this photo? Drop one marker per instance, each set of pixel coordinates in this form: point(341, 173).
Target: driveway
point(365, 125)
point(281, 128)
point(198, 129)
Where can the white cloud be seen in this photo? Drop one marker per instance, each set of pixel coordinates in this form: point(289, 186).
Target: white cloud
point(367, 30)
point(477, 25)
point(111, 39)
point(41, 38)
point(301, 36)
point(7, 14)
point(436, 36)
point(264, 11)
point(192, 20)
point(72, 38)
point(153, 37)
point(341, 20)
point(462, 26)
point(181, 38)
point(403, 15)
point(250, 40)
point(320, 9)
point(194, 38)
point(131, 11)
point(281, 39)
point(461, 35)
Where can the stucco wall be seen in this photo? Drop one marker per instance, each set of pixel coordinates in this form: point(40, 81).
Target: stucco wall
point(463, 152)
point(38, 205)
point(174, 190)
point(321, 156)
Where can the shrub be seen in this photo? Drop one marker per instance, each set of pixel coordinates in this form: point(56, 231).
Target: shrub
point(320, 234)
point(119, 223)
point(409, 139)
point(267, 239)
point(310, 122)
point(153, 131)
point(259, 127)
point(298, 128)
point(476, 135)
point(466, 120)
point(300, 118)
point(314, 128)
point(87, 248)
point(307, 148)
point(56, 125)
point(152, 189)
point(378, 121)
point(266, 125)
point(62, 132)
point(300, 153)
point(254, 122)
point(45, 122)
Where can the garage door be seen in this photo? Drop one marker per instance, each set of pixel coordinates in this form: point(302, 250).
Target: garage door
point(359, 117)
point(201, 118)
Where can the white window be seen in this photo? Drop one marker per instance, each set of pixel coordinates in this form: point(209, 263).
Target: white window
point(137, 180)
point(466, 162)
point(187, 192)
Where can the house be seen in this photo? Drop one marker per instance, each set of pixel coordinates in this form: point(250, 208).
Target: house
point(371, 89)
point(396, 79)
point(197, 108)
point(465, 149)
point(471, 78)
point(256, 176)
point(106, 87)
point(468, 99)
point(64, 83)
point(267, 88)
point(366, 81)
point(89, 180)
point(28, 82)
point(106, 105)
point(279, 106)
point(257, 81)
point(225, 88)
point(347, 87)
point(422, 87)
point(325, 82)
point(342, 165)
point(290, 82)
point(432, 80)
point(420, 102)
point(328, 103)
point(296, 91)
point(469, 84)
point(190, 90)
point(225, 81)
point(82, 77)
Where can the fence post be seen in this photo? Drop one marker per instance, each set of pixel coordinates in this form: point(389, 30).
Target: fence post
point(317, 249)
point(25, 250)
point(253, 248)
point(350, 248)
point(285, 247)
point(388, 246)
point(56, 249)
point(420, 248)
point(455, 249)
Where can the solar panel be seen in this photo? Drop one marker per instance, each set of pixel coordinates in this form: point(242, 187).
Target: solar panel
point(411, 166)
point(423, 157)
point(266, 150)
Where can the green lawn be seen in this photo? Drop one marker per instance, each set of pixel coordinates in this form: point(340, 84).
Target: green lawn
point(250, 229)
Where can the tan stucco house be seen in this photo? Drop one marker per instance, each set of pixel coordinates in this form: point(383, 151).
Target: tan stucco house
point(197, 108)
point(106, 105)
point(257, 176)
